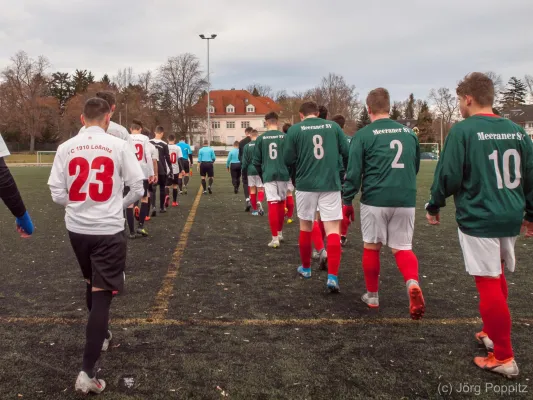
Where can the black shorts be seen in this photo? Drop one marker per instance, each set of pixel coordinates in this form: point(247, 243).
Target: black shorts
point(174, 180)
point(207, 169)
point(146, 187)
point(102, 258)
point(185, 165)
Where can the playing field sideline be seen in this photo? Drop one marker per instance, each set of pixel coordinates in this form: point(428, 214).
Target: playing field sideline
point(209, 308)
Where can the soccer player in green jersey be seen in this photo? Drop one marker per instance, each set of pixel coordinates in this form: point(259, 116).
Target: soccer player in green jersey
point(269, 163)
point(289, 201)
point(487, 165)
point(384, 162)
point(255, 185)
point(312, 147)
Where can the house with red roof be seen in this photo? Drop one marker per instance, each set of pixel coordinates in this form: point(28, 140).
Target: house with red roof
point(231, 112)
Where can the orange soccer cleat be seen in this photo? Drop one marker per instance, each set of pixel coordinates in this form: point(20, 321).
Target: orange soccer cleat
point(417, 306)
point(174, 204)
point(137, 212)
point(507, 368)
point(147, 218)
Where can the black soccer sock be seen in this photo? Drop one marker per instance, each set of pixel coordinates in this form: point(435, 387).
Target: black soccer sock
point(186, 180)
point(180, 183)
point(204, 185)
point(129, 218)
point(89, 296)
point(175, 194)
point(245, 190)
point(96, 330)
point(210, 182)
point(145, 210)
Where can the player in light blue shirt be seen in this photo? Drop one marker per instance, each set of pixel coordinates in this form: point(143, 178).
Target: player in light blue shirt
point(234, 166)
point(186, 162)
point(206, 158)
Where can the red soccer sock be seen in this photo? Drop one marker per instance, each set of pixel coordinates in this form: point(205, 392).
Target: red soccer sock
point(505, 289)
point(495, 315)
point(261, 197)
point(407, 264)
point(371, 267)
point(334, 254)
point(345, 224)
point(322, 229)
point(290, 206)
point(318, 241)
point(305, 248)
point(253, 200)
point(281, 215)
point(273, 215)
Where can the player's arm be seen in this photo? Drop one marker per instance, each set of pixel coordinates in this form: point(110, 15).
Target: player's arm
point(528, 184)
point(133, 177)
point(245, 159)
point(213, 156)
point(449, 173)
point(289, 149)
point(10, 194)
point(167, 158)
point(417, 161)
point(57, 182)
point(179, 156)
point(228, 161)
point(354, 169)
point(257, 156)
point(343, 146)
point(190, 154)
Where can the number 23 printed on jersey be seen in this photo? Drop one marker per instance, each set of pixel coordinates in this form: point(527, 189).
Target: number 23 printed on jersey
point(100, 188)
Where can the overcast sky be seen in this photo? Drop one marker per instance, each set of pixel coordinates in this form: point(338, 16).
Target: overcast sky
point(404, 45)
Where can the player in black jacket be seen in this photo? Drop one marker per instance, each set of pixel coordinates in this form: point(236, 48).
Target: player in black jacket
point(164, 168)
point(243, 143)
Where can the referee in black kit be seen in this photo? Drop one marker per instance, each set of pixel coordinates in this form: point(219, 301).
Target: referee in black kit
point(244, 177)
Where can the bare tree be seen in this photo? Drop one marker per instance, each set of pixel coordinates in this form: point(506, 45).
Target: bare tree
point(26, 89)
point(146, 81)
point(124, 78)
point(180, 82)
point(338, 96)
point(529, 82)
point(260, 90)
point(445, 103)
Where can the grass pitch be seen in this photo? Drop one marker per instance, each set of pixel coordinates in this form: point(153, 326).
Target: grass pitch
point(237, 322)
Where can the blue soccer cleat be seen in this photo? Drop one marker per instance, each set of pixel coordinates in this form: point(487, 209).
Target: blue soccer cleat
point(304, 272)
point(333, 284)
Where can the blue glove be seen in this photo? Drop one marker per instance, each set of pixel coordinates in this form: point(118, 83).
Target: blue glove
point(24, 224)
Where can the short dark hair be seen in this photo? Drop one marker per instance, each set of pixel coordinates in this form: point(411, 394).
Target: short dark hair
point(271, 118)
point(107, 96)
point(254, 132)
point(95, 109)
point(171, 138)
point(322, 112)
point(286, 127)
point(479, 86)
point(339, 119)
point(206, 143)
point(309, 108)
point(378, 101)
point(159, 129)
point(236, 143)
point(136, 125)
point(248, 130)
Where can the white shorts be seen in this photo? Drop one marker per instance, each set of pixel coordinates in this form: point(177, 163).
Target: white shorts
point(276, 191)
point(255, 180)
point(391, 226)
point(290, 186)
point(329, 204)
point(484, 256)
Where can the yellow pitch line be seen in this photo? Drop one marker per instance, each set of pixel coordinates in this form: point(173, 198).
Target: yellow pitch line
point(255, 322)
point(162, 298)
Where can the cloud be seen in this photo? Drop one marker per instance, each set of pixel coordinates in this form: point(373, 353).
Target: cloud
point(410, 45)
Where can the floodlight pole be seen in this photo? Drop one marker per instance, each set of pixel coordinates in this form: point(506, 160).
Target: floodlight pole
point(208, 88)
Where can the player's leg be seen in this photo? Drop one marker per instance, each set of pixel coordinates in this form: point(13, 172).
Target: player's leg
point(260, 195)
point(274, 204)
point(129, 216)
point(238, 172)
point(290, 203)
point(175, 185)
point(252, 189)
point(281, 188)
point(152, 192)
point(320, 252)
point(400, 230)
point(203, 174)
point(330, 205)
point(211, 176)
point(246, 191)
point(306, 203)
point(345, 224)
point(161, 181)
point(374, 230)
point(145, 209)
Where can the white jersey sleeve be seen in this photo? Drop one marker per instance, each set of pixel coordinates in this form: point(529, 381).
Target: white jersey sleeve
point(175, 155)
point(3, 148)
point(143, 153)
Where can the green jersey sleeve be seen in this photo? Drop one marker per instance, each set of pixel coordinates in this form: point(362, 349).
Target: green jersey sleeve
point(354, 170)
point(289, 151)
point(343, 146)
point(528, 178)
point(257, 156)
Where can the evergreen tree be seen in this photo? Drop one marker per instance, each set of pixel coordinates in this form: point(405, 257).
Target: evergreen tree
point(364, 119)
point(81, 80)
point(395, 112)
point(255, 92)
point(410, 108)
point(106, 80)
point(425, 124)
point(515, 94)
point(61, 88)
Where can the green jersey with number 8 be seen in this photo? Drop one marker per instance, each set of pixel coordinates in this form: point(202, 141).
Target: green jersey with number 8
point(268, 154)
point(487, 165)
point(313, 147)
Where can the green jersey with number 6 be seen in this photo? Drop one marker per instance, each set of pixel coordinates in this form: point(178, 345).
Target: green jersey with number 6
point(487, 165)
point(384, 159)
point(313, 147)
point(268, 155)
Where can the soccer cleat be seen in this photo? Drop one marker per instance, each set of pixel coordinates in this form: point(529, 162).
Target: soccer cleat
point(315, 255)
point(147, 218)
point(184, 190)
point(236, 190)
point(370, 299)
point(105, 345)
point(87, 385)
point(323, 257)
point(280, 237)
point(162, 211)
point(417, 306)
point(484, 339)
point(248, 206)
point(136, 212)
point(286, 210)
point(154, 212)
point(142, 231)
point(274, 244)
point(210, 190)
point(167, 201)
point(175, 204)
point(304, 272)
point(333, 284)
point(290, 221)
point(133, 236)
point(260, 209)
point(344, 239)
point(507, 368)
point(255, 213)
point(205, 192)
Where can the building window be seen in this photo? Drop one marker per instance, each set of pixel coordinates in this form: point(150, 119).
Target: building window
point(245, 124)
point(211, 110)
point(250, 109)
point(215, 124)
point(530, 125)
point(230, 125)
point(230, 109)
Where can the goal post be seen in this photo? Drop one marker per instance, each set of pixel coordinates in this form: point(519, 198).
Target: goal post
point(432, 148)
point(45, 157)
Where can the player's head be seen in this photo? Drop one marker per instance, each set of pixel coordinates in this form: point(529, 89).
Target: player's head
point(272, 120)
point(339, 119)
point(286, 127)
point(322, 112)
point(206, 143)
point(110, 98)
point(136, 126)
point(378, 104)
point(248, 131)
point(308, 109)
point(171, 139)
point(254, 134)
point(182, 139)
point(475, 92)
point(96, 112)
point(159, 132)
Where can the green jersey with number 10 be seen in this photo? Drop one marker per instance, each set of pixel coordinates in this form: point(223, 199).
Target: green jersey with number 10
point(268, 154)
point(487, 165)
point(313, 147)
